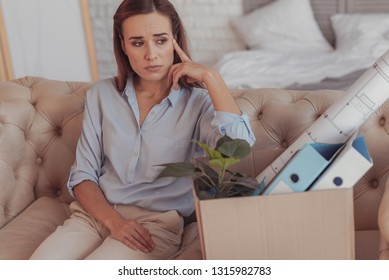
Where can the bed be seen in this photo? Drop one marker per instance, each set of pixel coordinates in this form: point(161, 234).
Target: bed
point(302, 44)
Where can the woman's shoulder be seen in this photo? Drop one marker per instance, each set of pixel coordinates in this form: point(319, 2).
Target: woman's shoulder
point(103, 84)
point(102, 88)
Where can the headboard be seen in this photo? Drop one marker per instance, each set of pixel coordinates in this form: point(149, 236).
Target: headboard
point(324, 8)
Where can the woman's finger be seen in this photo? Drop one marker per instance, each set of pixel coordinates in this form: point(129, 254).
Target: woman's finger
point(145, 237)
point(135, 240)
point(129, 244)
point(134, 244)
point(176, 75)
point(171, 73)
point(180, 52)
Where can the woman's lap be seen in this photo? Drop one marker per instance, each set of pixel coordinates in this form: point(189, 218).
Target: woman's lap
point(82, 237)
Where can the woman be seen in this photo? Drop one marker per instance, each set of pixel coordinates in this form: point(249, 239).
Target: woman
point(143, 118)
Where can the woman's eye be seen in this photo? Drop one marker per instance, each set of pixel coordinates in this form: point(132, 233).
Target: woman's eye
point(161, 41)
point(137, 43)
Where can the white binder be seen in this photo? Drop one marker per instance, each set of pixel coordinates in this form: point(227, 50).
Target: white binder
point(347, 168)
point(303, 168)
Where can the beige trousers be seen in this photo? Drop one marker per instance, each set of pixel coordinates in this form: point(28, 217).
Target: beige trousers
point(82, 237)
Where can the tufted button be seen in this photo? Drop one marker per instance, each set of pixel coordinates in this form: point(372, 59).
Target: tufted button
point(375, 183)
point(260, 115)
point(284, 144)
point(382, 121)
point(58, 192)
point(59, 131)
point(39, 160)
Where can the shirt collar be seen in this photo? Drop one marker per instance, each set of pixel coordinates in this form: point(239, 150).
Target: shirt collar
point(129, 92)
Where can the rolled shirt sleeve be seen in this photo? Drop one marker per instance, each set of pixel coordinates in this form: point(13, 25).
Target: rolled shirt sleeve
point(234, 126)
point(87, 165)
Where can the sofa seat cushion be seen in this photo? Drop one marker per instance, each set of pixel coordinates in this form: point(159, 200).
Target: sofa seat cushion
point(20, 238)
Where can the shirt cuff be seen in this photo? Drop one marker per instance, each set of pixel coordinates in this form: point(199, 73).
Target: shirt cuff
point(235, 126)
point(76, 178)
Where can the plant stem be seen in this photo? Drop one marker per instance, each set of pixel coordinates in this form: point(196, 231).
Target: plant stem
point(221, 176)
point(212, 185)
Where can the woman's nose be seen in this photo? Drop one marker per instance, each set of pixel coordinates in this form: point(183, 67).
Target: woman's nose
point(151, 53)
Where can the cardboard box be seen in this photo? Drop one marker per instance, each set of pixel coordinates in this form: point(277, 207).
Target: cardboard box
point(308, 225)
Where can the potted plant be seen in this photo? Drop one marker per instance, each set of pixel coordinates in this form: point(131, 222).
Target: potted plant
point(254, 226)
point(212, 176)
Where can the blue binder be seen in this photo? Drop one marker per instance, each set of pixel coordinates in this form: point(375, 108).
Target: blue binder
point(303, 168)
point(347, 168)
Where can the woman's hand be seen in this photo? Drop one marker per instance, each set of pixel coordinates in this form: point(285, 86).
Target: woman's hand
point(193, 71)
point(131, 234)
point(128, 232)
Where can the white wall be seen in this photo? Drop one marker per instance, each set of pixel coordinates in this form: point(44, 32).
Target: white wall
point(207, 23)
point(46, 38)
point(208, 26)
point(101, 12)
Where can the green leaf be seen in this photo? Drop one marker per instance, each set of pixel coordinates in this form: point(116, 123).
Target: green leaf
point(223, 163)
point(247, 182)
point(237, 148)
point(223, 140)
point(213, 154)
point(178, 169)
point(201, 185)
point(207, 169)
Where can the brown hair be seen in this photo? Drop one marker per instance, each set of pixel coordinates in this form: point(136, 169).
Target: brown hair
point(130, 8)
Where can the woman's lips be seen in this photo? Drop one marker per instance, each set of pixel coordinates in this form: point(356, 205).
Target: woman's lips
point(153, 68)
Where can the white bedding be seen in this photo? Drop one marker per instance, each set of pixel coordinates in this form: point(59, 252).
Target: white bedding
point(272, 69)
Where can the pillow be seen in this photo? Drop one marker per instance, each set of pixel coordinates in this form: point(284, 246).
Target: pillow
point(284, 25)
point(361, 34)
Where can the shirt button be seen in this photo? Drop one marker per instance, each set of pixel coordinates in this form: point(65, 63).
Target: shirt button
point(136, 153)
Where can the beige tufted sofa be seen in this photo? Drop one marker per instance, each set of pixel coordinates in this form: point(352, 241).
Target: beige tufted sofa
point(40, 121)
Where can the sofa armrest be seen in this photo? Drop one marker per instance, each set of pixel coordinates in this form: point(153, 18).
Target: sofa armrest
point(383, 223)
point(20, 237)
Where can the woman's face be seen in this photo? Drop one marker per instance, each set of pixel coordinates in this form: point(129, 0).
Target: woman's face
point(147, 41)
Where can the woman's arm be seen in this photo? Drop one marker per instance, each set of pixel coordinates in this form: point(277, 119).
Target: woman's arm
point(128, 232)
point(228, 117)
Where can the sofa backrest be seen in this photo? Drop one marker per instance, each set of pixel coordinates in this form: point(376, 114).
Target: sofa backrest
point(40, 122)
point(278, 117)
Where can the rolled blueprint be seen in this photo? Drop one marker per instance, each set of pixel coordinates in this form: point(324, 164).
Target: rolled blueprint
point(343, 117)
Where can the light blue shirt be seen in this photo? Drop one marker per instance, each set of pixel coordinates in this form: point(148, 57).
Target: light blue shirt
point(123, 158)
